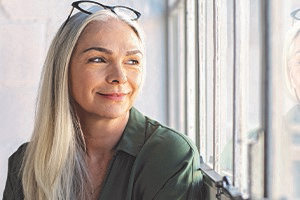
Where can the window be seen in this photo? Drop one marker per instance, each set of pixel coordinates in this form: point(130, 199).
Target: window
point(226, 85)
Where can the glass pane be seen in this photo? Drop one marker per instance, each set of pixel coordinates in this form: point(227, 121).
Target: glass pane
point(191, 70)
point(202, 43)
point(249, 142)
point(209, 86)
point(224, 84)
point(176, 71)
point(291, 113)
point(284, 168)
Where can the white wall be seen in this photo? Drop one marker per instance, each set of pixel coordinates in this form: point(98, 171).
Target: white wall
point(26, 29)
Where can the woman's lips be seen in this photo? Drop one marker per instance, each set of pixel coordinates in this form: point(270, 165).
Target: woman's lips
point(114, 96)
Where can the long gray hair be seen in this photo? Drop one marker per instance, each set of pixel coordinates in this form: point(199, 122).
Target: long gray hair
point(54, 165)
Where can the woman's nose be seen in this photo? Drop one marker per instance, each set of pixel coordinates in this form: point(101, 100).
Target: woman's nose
point(116, 75)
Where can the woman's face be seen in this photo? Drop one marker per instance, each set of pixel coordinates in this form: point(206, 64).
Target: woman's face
point(106, 69)
point(295, 66)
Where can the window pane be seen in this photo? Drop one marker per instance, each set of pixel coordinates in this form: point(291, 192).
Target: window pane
point(190, 67)
point(176, 70)
point(286, 142)
point(224, 83)
point(208, 92)
point(249, 140)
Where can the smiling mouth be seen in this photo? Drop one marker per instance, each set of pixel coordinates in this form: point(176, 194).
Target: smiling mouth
point(113, 96)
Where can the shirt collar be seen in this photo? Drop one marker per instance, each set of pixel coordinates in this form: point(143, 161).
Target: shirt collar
point(133, 137)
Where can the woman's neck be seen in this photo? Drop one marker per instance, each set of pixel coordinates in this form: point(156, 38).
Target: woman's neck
point(102, 136)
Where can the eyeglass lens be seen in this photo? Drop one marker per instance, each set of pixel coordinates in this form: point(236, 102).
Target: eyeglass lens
point(125, 12)
point(296, 14)
point(86, 6)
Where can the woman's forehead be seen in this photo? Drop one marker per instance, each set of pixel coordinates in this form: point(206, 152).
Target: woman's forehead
point(109, 33)
point(108, 27)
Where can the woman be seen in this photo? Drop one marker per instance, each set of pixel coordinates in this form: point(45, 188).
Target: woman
point(89, 142)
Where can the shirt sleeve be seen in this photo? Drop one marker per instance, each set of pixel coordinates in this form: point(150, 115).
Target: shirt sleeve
point(184, 185)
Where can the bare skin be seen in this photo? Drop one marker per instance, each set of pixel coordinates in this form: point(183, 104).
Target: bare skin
point(100, 150)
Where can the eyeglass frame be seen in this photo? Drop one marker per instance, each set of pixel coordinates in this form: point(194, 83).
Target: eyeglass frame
point(75, 4)
point(294, 13)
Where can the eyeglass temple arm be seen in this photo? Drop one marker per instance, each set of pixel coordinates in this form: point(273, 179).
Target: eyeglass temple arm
point(68, 17)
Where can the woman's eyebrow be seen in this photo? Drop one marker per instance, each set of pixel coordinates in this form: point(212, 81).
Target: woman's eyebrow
point(107, 51)
point(132, 52)
point(101, 49)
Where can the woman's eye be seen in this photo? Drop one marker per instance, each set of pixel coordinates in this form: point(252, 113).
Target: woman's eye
point(96, 60)
point(133, 62)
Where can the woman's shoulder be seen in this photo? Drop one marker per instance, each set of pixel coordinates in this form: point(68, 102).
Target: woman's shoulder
point(153, 133)
point(166, 145)
point(16, 159)
point(20, 151)
point(165, 139)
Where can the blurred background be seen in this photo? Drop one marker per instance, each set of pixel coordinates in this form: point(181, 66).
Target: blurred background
point(224, 72)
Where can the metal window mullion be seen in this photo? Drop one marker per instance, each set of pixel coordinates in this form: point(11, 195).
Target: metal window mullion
point(186, 119)
point(182, 68)
point(209, 82)
point(214, 81)
point(168, 66)
point(197, 79)
point(266, 91)
point(173, 67)
point(234, 129)
point(170, 69)
point(218, 85)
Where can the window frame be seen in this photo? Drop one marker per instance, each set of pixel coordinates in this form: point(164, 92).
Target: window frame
point(197, 125)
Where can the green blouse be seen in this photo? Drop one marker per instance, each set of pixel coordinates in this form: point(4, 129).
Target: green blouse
point(152, 161)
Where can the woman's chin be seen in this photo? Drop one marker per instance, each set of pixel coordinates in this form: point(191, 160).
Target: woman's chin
point(113, 112)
